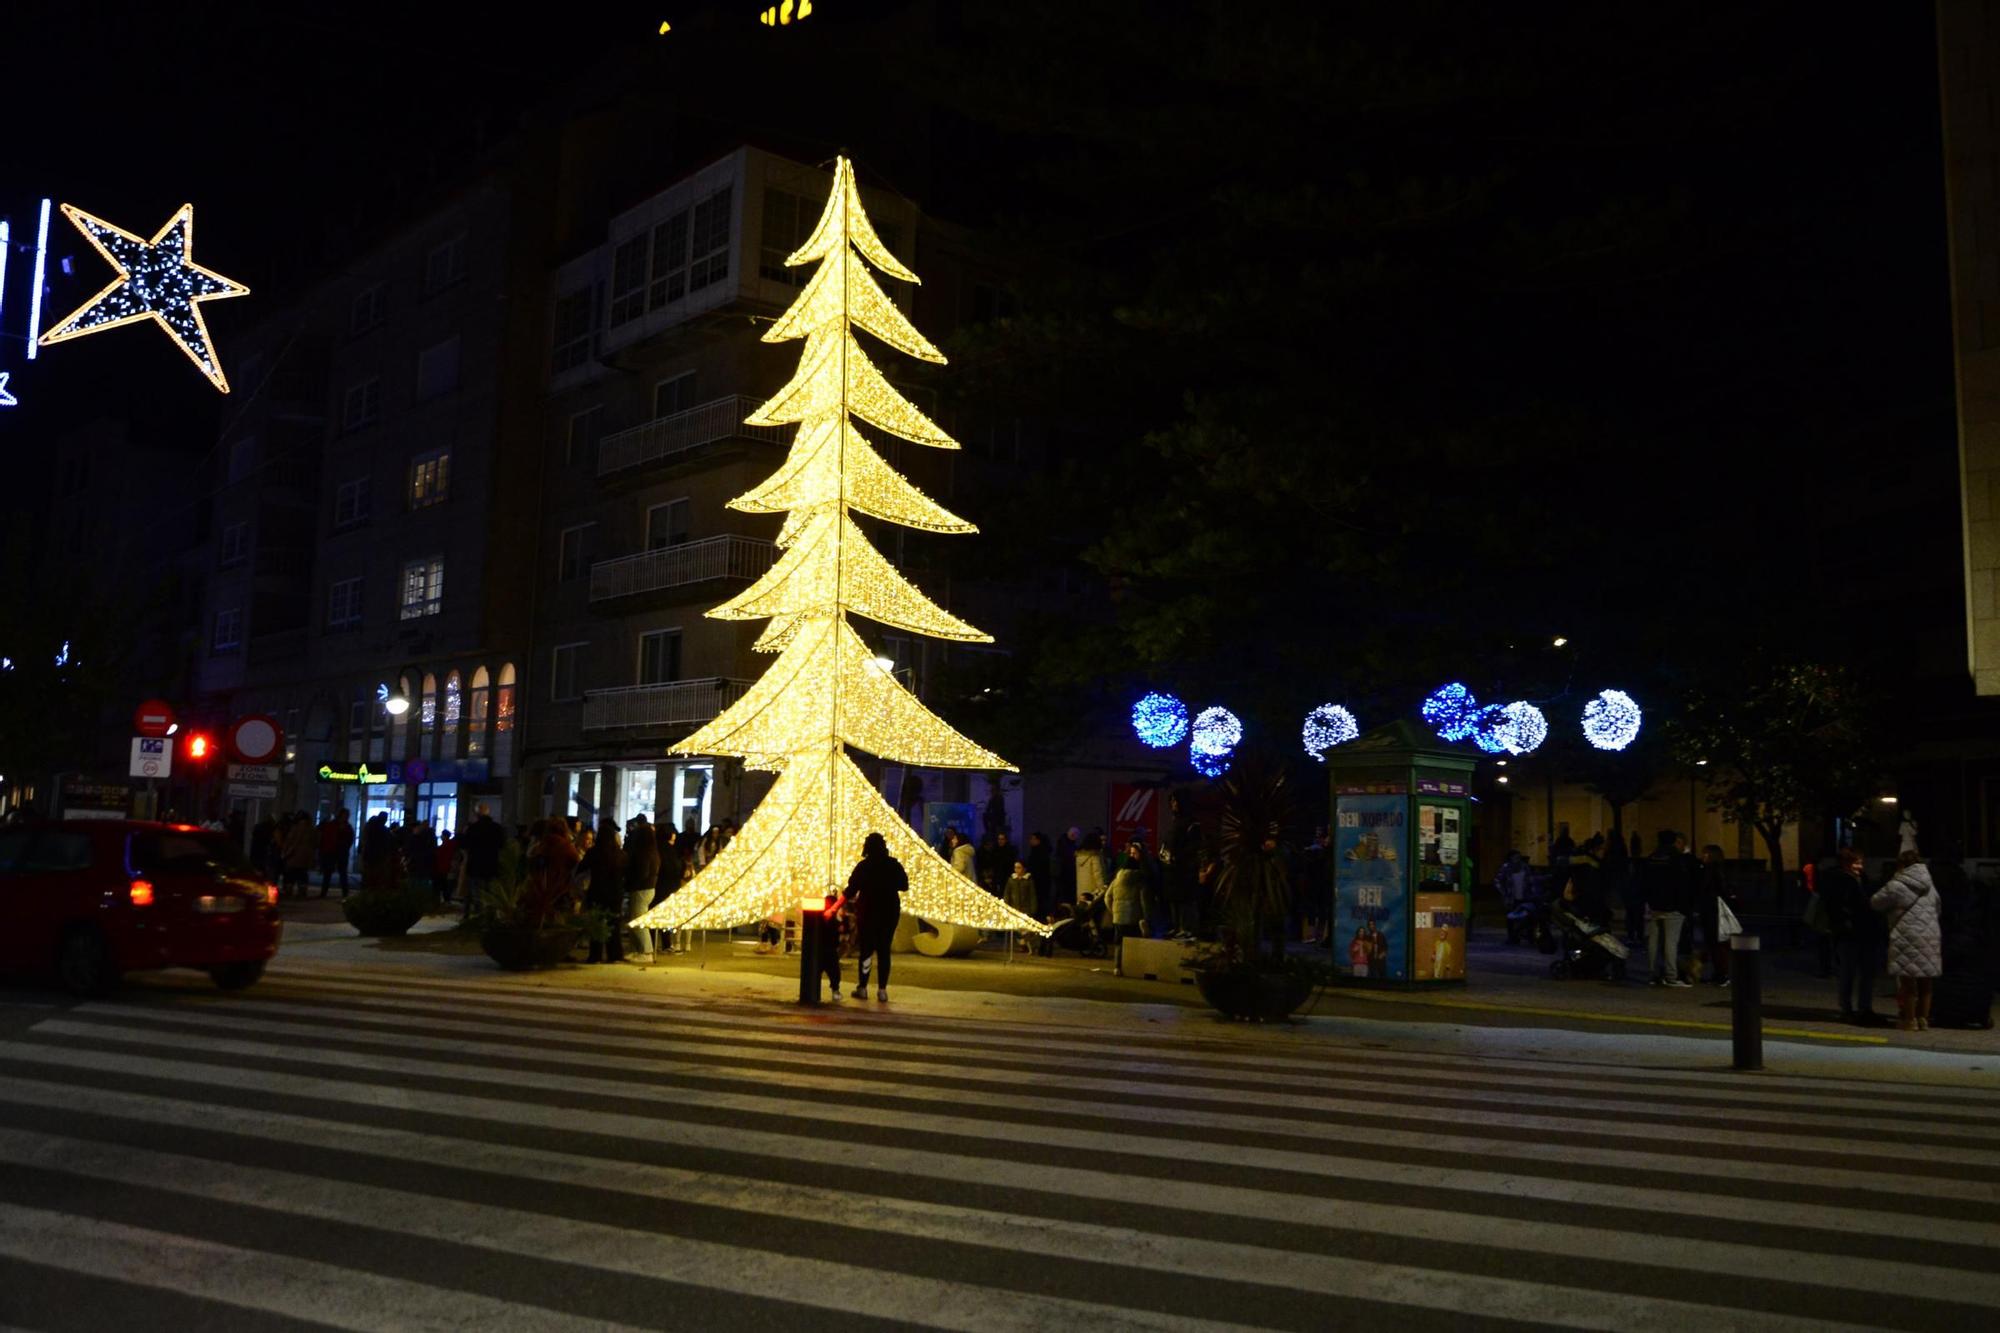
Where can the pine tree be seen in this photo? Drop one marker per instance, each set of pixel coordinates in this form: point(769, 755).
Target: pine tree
point(826, 691)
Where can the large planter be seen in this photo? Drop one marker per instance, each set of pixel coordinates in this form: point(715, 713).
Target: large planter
point(519, 948)
point(377, 912)
point(1254, 994)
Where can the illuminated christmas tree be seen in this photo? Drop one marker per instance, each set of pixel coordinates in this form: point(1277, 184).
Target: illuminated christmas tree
point(827, 691)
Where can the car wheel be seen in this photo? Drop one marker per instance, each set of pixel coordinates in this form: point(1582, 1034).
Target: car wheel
point(83, 963)
point(235, 976)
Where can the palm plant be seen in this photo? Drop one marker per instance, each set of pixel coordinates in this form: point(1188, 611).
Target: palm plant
point(1253, 889)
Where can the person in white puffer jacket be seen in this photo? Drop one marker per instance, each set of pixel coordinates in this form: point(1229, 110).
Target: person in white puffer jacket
point(1916, 946)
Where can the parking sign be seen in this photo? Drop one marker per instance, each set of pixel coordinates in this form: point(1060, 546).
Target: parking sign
point(152, 756)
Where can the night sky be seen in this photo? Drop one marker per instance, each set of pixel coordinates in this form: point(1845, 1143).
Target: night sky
point(1763, 354)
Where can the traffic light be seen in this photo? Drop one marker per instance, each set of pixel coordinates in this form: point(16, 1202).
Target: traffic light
point(198, 748)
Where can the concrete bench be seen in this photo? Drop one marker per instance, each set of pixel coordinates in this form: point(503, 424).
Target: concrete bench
point(1156, 960)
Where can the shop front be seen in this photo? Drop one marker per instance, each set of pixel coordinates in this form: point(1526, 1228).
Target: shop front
point(680, 792)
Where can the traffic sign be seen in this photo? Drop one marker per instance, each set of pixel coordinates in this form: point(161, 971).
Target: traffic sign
point(253, 772)
point(152, 757)
point(155, 717)
point(256, 739)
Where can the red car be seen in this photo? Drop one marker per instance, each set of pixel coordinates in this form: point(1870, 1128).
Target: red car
point(87, 900)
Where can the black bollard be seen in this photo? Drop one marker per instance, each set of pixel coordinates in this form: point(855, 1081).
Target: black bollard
point(1746, 1002)
point(811, 915)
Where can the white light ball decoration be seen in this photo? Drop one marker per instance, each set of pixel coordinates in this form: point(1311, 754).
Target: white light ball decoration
point(1522, 728)
point(1160, 720)
point(1451, 711)
point(1217, 731)
point(1327, 726)
point(1611, 720)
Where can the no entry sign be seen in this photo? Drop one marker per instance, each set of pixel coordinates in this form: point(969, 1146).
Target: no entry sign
point(256, 739)
point(155, 718)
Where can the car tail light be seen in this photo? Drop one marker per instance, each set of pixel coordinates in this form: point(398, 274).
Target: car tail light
point(141, 893)
point(271, 894)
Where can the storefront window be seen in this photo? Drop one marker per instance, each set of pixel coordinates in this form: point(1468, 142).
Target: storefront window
point(638, 793)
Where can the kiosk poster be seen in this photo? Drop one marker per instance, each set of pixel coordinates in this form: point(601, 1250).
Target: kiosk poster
point(1440, 935)
point(1368, 847)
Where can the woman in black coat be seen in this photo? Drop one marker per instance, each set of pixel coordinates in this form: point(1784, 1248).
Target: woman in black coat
point(876, 887)
point(606, 863)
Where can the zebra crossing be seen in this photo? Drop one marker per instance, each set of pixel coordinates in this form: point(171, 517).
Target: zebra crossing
point(374, 1148)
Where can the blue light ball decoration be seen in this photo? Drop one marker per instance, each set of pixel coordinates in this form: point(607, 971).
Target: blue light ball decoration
point(1326, 726)
point(1217, 732)
point(1209, 765)
point(1520, 728)
point(1451, 711)
point(1160, 720)
point(1486, 727)
point(1611, 720)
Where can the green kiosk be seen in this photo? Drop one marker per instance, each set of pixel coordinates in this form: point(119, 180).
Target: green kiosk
point(1402, 872)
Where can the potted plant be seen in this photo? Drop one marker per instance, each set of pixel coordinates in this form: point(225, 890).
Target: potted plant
point(1247, 975)
point(524, 918)
point(387, 908)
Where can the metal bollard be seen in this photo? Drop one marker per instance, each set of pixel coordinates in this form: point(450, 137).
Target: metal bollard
point(811, 915)
point(1746, 1002)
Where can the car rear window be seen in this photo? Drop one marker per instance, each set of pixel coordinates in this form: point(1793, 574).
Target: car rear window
point(39, 851)
point(186, 854)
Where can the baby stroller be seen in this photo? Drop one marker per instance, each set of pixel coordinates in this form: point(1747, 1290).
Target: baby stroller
point(1585, 949)
point(1080, 928)
point(1521, 898)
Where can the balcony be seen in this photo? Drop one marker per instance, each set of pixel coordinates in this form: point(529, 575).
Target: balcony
point(727, 557)
point(682, 703)
point(667, 438)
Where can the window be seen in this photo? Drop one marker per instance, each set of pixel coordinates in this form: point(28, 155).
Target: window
point(503, 701)
point(667, 524)
point(43, 851)
point(242, 457)
point(477, 705)
point(427, 710)
point(228, 630)
point(350, 503)
point(670, 259)
point(364, 312)
point(430, 478)
point(562, 671)
point(674, 395)
point(362, 404)
point(660, 657)
point(584, 427)
point(233, 545)
point(445, 265)
point(343, 604)
point(423, 588)
point(454, 700)
point(709, 244)
point(572, 555)
point(628, 281)
point(437, 369)
point(788, 220)
point(575, 329)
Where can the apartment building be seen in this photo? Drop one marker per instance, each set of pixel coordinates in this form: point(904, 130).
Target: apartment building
point(655, 360)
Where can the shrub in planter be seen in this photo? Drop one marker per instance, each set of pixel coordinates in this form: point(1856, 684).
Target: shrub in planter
point(1247, 975)
point(524, 918)
point(387, 910)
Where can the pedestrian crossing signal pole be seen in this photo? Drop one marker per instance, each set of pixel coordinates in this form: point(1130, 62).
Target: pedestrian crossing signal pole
point(812, 916)
point(1746, 1003)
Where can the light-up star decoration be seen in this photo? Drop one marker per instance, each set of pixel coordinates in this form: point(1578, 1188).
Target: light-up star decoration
point(157, 279)
point(6, 399)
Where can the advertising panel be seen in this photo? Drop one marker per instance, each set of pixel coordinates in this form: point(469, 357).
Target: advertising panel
point(1369, 886)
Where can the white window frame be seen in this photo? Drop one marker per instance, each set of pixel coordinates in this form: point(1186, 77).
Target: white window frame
point(573, 351)
point(364, 312)
point(427, 361)
point(571, 450)
point(343, 603)
point(232, 546)
point(361, 405)
point(685, 399)
point(444, 265)
point(706, 267)
point(667, 507)
point(666, 274)
point(431, 602)
point(429, 479)
point(629, 278)
point(639, 659)
point(353, 496)
point(227, 634)
point(555, 670)
point(582, 553)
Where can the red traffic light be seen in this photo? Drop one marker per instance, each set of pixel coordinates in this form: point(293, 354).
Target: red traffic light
point(200, 746)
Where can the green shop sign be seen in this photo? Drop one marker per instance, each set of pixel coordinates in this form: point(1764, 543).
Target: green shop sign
point(366, 775)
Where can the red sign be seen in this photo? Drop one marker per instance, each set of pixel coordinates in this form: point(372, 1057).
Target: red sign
point(256, 739)
point(1135, 815)
point(155, 718)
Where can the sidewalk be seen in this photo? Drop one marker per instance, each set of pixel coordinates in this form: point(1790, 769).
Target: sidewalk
point(1509, 1008)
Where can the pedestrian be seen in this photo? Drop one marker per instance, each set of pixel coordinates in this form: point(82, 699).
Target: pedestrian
point(983, 868)
point(829, 929)
point(1584, 893)
point(262, 835)
point(605, 864)
point(336, 849)
point(1021, 890)
point(1857, 936)
point(1916, 948)
point(1963, 996)
point(1712, 896)
point(1037, 861)
point(1183, 856)
point(642, 877)
point(1089, 868)
point(876, 887)
point(1124, 901)
point(1063, 865)
point(481, 844)
point(444, 866)
point(963, 856)
point(1669, 890)
point(301, 846)
point(420, 851)
point(1000, 859)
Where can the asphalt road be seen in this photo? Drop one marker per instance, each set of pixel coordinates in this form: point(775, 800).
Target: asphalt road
point(355, 1146)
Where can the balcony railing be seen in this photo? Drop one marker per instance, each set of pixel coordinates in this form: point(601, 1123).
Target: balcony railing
point(664, 437)
point(726, 557)
point(683, 703)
